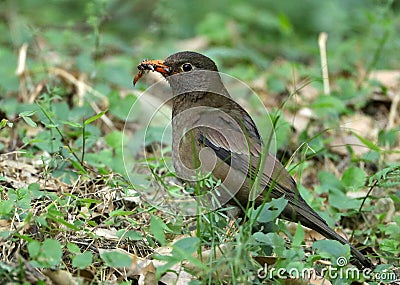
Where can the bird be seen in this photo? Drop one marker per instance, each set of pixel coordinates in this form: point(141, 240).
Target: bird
point(213, 133)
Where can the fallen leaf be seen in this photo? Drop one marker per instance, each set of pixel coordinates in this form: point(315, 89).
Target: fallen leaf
point(61, 277)
point(106, 233)
point(388, 78)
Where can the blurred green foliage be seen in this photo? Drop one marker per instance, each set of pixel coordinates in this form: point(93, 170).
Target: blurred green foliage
point(250, 32)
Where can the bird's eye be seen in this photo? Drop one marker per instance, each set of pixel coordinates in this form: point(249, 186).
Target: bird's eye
point(187, 67)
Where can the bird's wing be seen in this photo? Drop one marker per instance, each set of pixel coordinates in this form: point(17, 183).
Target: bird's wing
point(246, 155)
point(274, 178)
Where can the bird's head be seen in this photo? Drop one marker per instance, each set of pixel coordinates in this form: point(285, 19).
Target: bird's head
point(181, 62)
point(188, 61)
point(187, 72)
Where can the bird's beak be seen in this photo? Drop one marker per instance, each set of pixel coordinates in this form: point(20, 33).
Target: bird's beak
point(152, 65)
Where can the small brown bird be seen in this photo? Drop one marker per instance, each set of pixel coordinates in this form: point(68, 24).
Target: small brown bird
point(212, 133)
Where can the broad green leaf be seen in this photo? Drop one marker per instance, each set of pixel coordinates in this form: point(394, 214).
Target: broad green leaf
point(271, 239)
point(114, 139)
point(132, 235)
point(328, 106)
point(51, 251)
point(34, 248)
point(82, 260)
point(73, 248)
point(354, 178)
point(187, 245)
point(269, 211)
point(6, 207)
point(333, 249)
point(329, 181)
point(339, 200)
point(116, 259)
point(157, 227)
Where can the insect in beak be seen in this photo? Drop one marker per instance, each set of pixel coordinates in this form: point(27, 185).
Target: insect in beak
point(151, 65)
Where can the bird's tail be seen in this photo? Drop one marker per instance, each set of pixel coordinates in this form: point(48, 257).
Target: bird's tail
point(309, 218)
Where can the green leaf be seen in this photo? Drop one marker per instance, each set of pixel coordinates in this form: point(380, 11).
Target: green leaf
point(82, 260)
point(48, 254)
point(334, 250)
point(132, 235)
point(27, 113)
point(269, 211)
point(42, 221)
point(34, 189)
point(4, 234)
point(387, 271)
point(368, 143)
point(72, 124)
point(8, 61)
point(51, 252)
point(157, 134)
point(298, 238)
point(271, 239)
point(94, 118)
point(116, 259)
point(73, 248)
point(120, 212)
point(328, 106)
point(157, 227)
point(6, 207)
point(78, 166)
point(62, 221)
point(339, 200)
point(393, 230)
point(389, 137)
point(114, 139)
point(47, 140)
point(34, 248)
point(186, 245)
point(329, 181)
point(181, 250)
point(389, 245)
point(354, 178)
point(111, 69)
point(275, 84)
point(29, 122)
